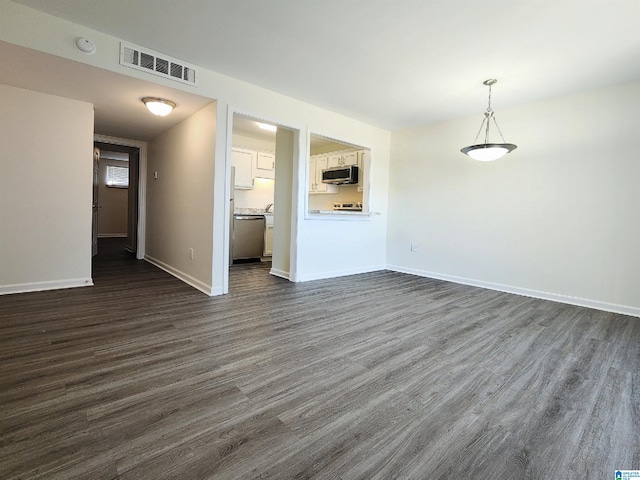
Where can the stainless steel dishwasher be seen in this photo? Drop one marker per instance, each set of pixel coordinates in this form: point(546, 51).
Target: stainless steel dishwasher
point(248, 236)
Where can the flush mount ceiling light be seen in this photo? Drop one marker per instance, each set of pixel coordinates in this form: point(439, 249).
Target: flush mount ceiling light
point(486, 152)
point(159, 106)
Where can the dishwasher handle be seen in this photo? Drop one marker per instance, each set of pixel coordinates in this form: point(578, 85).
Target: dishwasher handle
point(249, 217)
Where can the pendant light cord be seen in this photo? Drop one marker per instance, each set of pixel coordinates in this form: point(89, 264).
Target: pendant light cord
point(478, 134)
point(496, 124)
point(488, 115)
point(489, 106)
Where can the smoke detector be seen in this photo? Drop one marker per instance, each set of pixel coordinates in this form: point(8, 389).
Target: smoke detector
point(85, 45)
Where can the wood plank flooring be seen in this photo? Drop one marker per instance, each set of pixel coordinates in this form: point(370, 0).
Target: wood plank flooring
point(373, 376)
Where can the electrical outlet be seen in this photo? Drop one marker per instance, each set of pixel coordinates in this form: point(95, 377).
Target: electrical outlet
point(191, 253)
point(414, 247)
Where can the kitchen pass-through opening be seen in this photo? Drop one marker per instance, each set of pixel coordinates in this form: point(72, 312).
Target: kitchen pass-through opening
point(338, 178)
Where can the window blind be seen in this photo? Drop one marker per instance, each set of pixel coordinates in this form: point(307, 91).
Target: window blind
point(117, 176)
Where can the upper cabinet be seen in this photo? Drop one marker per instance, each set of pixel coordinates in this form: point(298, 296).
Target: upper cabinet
point(361, 164)
point(316, 165)
point(343, 159)
point(243, 160)
point(265, 165)
point(251, 164)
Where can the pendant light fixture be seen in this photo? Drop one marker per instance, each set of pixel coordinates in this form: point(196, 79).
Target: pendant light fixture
point(159, 106)
point(487, 152)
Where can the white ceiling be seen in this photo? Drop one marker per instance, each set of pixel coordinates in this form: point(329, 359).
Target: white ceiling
point(250, 127)
point(119, 111)
point(116, 99)
point(393, 64)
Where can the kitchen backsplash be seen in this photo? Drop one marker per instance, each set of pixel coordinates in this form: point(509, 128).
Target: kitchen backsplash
point(346, 193)
point(259, 197)
point(262, 195)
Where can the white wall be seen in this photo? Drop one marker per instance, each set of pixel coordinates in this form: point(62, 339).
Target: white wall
point(283, 195)
point(261, 195)
point(365, 249)
point(556, 218)
point(180, 200)
point(46, 170)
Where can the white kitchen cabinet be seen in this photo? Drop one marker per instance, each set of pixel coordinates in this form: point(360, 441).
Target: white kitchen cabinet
point(265, 165)
point(243, 160)
point(361, 162)
point(317, 164)
point(343, 159)
point(334, 160)
point(350, 158)
point(268, 235)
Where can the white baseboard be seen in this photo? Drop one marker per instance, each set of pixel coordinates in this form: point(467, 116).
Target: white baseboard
point(554, 297)
point(180, 275)
point(279, 273)
point(112, 235)
point(41, 286)
point(341, 273)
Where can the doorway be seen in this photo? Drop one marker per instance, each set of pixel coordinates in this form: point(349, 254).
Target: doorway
point(117, 206)
point(261, 187)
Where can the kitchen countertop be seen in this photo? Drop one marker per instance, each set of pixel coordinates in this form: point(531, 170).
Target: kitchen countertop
point(251, 211)
point(260, 211)
point(339, 212)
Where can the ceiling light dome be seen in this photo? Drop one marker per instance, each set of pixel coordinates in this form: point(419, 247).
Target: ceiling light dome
point(159, 106)
point(487, 152)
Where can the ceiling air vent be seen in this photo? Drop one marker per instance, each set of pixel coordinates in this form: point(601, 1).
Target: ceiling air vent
point(152, 62)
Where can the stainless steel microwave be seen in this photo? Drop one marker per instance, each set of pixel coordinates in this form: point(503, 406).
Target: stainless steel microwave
point(341, 175)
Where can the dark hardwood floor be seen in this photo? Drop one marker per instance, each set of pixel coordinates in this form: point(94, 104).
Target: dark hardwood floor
point(373, 376)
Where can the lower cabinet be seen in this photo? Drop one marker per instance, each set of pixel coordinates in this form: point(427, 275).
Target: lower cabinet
point(268, 236)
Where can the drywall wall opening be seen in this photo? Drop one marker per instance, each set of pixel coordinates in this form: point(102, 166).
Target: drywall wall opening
point(338, 178)
point(262, 155)
point(118, 205)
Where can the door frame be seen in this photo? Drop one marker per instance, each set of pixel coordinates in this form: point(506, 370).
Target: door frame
point(293, 198)
point(95, 203)
point(142, 184)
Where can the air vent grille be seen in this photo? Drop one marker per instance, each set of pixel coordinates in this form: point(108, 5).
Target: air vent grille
point(157, 63)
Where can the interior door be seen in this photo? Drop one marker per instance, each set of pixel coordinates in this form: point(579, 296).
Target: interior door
point(95, 205)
